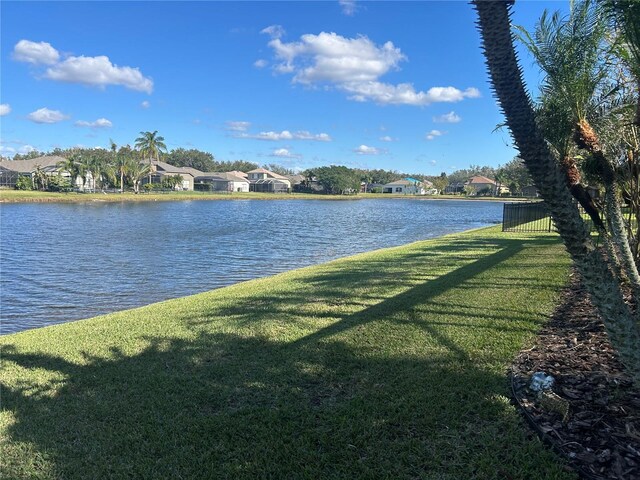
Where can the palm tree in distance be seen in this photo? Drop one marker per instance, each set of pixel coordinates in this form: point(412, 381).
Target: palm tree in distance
point(119, 163)
point(74, 167)
point(135, 170)
point(150, 145)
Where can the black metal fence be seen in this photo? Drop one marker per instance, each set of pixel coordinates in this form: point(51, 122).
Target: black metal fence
point(526, 217)
point(533, 217)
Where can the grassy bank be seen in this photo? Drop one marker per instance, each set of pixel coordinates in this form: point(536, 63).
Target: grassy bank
point(390, 364)
point(22, 196)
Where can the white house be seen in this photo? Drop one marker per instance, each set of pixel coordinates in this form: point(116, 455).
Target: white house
point(407, 186)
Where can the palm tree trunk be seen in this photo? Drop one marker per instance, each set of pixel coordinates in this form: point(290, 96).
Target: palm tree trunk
point(598, 278)
point(121, 181)
point(616, 224)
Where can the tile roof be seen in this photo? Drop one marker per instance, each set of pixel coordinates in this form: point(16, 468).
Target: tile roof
point(222, 176)
point(268, 172)
point(481, 179)
point(28, 166)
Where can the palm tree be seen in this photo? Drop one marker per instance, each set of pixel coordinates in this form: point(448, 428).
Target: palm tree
point(626, 17)
point(150, 145)
point(572, 54)
point(597, 271)
point(135, 170)
point(119, 163)
point(100, 168)
point(74, 167)
point(40, 178)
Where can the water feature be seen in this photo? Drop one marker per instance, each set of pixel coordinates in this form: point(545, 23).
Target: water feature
point(61, 262)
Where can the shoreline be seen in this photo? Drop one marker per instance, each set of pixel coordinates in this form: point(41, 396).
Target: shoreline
point(15, 196)
point(266, 278)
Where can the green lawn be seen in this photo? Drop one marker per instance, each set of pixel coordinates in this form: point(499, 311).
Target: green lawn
point(390, 364)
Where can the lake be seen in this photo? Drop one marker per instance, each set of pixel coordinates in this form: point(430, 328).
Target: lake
point(62, 262)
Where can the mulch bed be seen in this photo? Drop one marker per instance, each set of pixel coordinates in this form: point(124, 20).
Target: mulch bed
point(600, 437)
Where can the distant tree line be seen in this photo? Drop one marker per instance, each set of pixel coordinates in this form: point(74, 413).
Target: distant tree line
point(333, 178)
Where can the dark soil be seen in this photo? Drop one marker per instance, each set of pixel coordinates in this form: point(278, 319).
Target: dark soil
point(600, 437)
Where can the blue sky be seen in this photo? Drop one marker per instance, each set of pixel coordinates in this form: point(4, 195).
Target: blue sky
point(393, 85)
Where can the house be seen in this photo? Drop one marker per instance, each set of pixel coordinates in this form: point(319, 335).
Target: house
point(296, 179)
point(407, 186)
point(371, 187)
point(11, 170)
point(160, 169)
point(221, 182)
point(263, 180)
point(454, 187)
point(530, 191)
point(480, 184)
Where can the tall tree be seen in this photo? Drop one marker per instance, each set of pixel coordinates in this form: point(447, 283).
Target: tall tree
point(119, 163)
point(135, 171)
point(598, 272)
point(73, 166)
point(193, 158)
point(150, 145)
point(40, 178)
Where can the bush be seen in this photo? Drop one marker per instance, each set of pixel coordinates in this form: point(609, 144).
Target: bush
point(58, 183)
point(151, 186)
point(24, 183)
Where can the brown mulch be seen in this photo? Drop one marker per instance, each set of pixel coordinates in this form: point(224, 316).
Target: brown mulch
point(600, 437)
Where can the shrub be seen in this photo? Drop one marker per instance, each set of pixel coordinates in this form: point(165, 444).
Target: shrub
point(24, 183)
point(58, 183)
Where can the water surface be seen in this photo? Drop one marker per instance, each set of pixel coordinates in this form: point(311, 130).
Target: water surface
point(61, 262)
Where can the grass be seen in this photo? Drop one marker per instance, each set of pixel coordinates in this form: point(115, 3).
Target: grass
point(389, 364)
point(27, 196)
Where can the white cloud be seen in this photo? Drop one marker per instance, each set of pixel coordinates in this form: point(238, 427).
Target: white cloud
point(5, 109)
point(355, 65)
point(287, 135)
point(432, 162)
point(405, 93)
point(93, 71)
point(99, 72)
point(328, 57)
point(366, 150)
point(145, 104)
point(6, 151)
point(387, 138)
point(284, 153)
point(274, 31)
point(44, 115)
point(451, 117)
point(26, 149)
point(261, 63)
point(38, 53)
point(237, 126)
point(99, 123)
point(349, 7)
point(433, 134)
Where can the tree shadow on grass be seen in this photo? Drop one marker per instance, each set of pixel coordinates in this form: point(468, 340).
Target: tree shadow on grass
point(383, 392)
point(224, 406)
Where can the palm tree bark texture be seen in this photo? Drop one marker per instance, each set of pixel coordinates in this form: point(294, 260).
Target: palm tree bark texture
point(597, 274)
